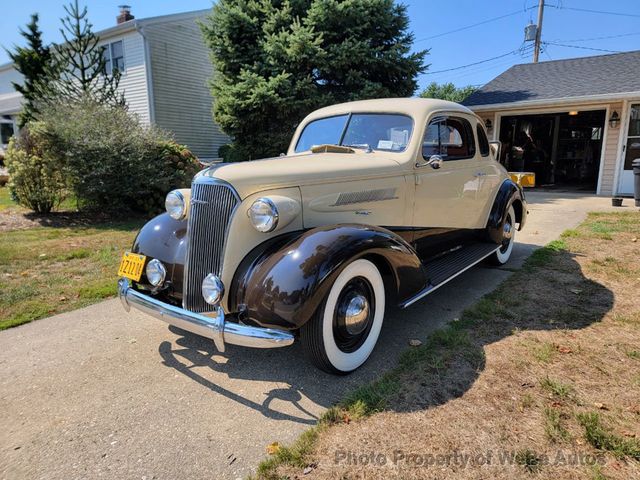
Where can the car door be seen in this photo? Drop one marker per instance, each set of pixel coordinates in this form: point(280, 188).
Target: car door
point(447, 180)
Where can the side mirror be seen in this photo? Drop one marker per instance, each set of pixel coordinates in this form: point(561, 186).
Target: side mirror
point(435, 161)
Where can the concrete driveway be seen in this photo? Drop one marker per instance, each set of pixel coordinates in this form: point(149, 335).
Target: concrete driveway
point(97, 393)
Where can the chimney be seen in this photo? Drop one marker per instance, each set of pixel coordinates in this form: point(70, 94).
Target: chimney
point(125, 14)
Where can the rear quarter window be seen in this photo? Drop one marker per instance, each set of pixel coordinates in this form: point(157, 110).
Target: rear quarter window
point(483, 141)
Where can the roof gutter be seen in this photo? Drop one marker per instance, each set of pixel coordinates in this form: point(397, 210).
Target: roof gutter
point(555, 101)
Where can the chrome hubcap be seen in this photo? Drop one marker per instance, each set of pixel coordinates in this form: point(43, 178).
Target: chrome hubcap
point(356, 315)
point(506, 231)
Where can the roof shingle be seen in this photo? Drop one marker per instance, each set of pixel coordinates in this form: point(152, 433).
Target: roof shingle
point(574, 77)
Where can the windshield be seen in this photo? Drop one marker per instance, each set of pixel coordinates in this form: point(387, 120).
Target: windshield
point(378, 131)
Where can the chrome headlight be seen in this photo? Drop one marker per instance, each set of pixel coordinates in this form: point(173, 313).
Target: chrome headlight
point(156, 273)
point(176, 205)
point(263, 215)
point(212, 289)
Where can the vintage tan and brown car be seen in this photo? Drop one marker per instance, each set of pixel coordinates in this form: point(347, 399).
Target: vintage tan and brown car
point(377, 203)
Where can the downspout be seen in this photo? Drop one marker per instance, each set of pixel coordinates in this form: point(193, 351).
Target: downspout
point(148, 74)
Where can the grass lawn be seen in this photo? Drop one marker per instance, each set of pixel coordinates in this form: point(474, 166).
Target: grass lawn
point(5, 199)
point(540, 379)
point(48, 270)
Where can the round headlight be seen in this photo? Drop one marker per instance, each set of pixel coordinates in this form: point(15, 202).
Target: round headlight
point(156, 273)
point(263, 215)
point(212, 289)
point(176, 205)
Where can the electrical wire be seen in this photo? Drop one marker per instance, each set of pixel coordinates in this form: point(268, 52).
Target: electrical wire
point(583, 48)
point(620, 14)
point(576, 40)
point(467, 27)
point(513, 52)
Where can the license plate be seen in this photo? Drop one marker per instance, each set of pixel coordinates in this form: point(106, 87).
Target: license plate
point(131, 266)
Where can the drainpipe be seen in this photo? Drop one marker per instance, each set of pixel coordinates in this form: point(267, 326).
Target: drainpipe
point(148, 73)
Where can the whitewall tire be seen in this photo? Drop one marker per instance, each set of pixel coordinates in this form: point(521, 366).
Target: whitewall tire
point(344, 331)
point(502, 255)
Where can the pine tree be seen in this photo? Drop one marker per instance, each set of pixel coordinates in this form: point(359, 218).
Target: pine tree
point(277, 60)
point(33, 62)
point(79, 66)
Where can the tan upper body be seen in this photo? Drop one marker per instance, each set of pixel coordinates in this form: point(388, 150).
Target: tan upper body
point(380, 187)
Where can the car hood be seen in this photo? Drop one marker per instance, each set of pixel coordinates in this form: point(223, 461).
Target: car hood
point(304, 169)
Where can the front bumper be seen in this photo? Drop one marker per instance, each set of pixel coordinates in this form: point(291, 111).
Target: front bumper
point(212, 325)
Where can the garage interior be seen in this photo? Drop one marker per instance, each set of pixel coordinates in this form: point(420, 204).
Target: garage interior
point(562, 149)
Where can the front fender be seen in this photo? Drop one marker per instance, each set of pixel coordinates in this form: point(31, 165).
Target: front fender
point(283, 285)
point(164, 238)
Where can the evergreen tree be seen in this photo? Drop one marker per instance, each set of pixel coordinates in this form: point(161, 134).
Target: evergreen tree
point(33, 62)
point(447, 91)
point(79, 66)
point(277, 60)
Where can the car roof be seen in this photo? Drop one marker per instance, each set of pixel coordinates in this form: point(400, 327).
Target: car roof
point(414, 107)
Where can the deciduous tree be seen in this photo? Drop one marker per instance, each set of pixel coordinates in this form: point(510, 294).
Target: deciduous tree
point(447, 91)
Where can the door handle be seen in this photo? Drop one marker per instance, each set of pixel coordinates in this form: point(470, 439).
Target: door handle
point(435, 162)
point(480, 174)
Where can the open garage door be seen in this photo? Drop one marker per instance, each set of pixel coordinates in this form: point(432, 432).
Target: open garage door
point(562, 149)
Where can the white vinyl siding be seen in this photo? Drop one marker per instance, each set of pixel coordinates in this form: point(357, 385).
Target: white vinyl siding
point(180, 73)
point(610, 153)
point(133, 80)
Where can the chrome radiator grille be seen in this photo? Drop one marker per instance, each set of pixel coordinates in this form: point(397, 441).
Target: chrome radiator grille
point(212, 204)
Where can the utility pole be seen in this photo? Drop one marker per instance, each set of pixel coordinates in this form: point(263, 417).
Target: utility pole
point(536, 48)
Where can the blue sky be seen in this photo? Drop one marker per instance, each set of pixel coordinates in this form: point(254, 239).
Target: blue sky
point(563, 24)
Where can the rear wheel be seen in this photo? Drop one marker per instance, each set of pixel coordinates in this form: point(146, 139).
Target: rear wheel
point(345, 329)
point(502, 255)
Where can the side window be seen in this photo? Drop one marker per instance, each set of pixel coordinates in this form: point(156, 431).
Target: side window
point(449, 137)
point(483, 142)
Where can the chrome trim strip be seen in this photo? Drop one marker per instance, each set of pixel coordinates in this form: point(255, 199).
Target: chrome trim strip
point(430, 288)
point(213, 326)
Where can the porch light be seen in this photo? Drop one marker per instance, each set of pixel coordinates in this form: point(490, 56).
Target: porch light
point(573, 112)
point(614, 121)
point(488, 124)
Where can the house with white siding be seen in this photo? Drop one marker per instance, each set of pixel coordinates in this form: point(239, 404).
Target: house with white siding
point(575, 123)
point(165, 69)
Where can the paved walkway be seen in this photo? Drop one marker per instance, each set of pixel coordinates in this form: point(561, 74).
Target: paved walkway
point(97, 393)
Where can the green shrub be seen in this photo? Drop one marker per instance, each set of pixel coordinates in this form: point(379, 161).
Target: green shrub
point(36, 178)
point(113, 162)
point(232, 153)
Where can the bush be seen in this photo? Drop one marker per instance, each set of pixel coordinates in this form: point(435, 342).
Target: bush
point(113, 163)
point(232, 153)
point(36, 179)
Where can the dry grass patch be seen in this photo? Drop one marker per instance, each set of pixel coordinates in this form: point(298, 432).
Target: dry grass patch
point(538, 380)
point(46, 270)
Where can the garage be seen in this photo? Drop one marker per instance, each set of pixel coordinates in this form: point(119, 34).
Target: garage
point(563, 149)
point(575, 123)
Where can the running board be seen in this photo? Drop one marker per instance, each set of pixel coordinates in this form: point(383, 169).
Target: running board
point(449, 266)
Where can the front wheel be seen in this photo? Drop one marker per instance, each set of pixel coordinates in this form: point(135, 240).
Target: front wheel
point(343, 332)
point(502, 255)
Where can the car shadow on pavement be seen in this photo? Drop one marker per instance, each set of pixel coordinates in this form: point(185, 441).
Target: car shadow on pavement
point(564, 299)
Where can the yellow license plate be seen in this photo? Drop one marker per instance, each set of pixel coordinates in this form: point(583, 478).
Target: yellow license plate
point(131, 266)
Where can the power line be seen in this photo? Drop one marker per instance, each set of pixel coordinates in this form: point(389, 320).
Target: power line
point(620, 14)
point(484, 22)
point(513, 52)
point(583, 48)
point(576, 40)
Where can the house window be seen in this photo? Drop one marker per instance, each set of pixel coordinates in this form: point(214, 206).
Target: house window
point(114, 57)
point(6, 132)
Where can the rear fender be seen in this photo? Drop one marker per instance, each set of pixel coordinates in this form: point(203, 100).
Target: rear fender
point(509, 193)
